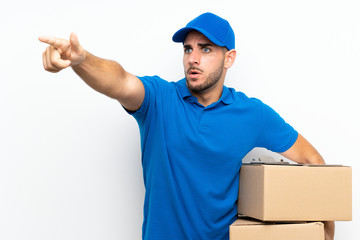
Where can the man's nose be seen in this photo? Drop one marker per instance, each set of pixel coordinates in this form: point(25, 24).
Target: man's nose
point(194, 57)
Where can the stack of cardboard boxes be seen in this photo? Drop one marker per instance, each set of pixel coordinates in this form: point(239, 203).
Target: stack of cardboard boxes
point(291, 201)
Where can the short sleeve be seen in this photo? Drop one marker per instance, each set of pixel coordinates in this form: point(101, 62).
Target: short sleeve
point(276, 134)
point(151, 85)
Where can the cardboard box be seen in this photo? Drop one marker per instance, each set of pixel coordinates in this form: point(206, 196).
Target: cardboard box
point(295, 192)
point(255, 230)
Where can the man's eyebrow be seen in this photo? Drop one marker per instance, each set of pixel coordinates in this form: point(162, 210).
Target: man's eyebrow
point(205, 44)
point(199, 44)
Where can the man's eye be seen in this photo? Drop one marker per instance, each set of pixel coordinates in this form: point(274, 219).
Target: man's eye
point(188, 50)
point(206, 50)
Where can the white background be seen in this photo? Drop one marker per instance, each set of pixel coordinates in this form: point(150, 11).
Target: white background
point(70, 157)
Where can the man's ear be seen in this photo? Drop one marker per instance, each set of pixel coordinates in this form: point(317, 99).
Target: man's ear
point(229, 58)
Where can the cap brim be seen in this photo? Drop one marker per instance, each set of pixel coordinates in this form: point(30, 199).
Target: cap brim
point(180, 35)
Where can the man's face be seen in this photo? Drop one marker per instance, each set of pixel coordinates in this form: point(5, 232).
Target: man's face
point(203, 63)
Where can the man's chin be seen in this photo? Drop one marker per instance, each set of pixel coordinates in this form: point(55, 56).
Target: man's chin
point(193, 85)
point(196, 88)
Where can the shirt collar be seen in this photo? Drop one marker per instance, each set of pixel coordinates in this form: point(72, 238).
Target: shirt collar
point(184, 91)
point(226, 96)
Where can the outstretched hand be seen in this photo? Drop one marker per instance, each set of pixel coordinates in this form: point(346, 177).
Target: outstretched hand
point(62, 53)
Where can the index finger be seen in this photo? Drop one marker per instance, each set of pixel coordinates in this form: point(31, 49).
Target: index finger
point(55, 42)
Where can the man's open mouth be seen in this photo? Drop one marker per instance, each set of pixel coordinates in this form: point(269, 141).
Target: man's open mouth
point(194, 72)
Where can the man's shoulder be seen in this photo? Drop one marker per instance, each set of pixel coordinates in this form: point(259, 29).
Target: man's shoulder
point(243, 98)
point(158, 81)
point(153, 79)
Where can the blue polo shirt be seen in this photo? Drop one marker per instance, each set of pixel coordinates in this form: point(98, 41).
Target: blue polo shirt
point(191, 157)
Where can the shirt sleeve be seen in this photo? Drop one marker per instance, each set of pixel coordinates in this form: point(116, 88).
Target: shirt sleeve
point(150, 86)
point(276, 134)
point(155, 90)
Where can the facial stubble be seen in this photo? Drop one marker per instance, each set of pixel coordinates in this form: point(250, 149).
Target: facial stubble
point(209, 82)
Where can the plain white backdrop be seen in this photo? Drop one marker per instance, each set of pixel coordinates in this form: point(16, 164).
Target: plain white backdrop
point(70, 163)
